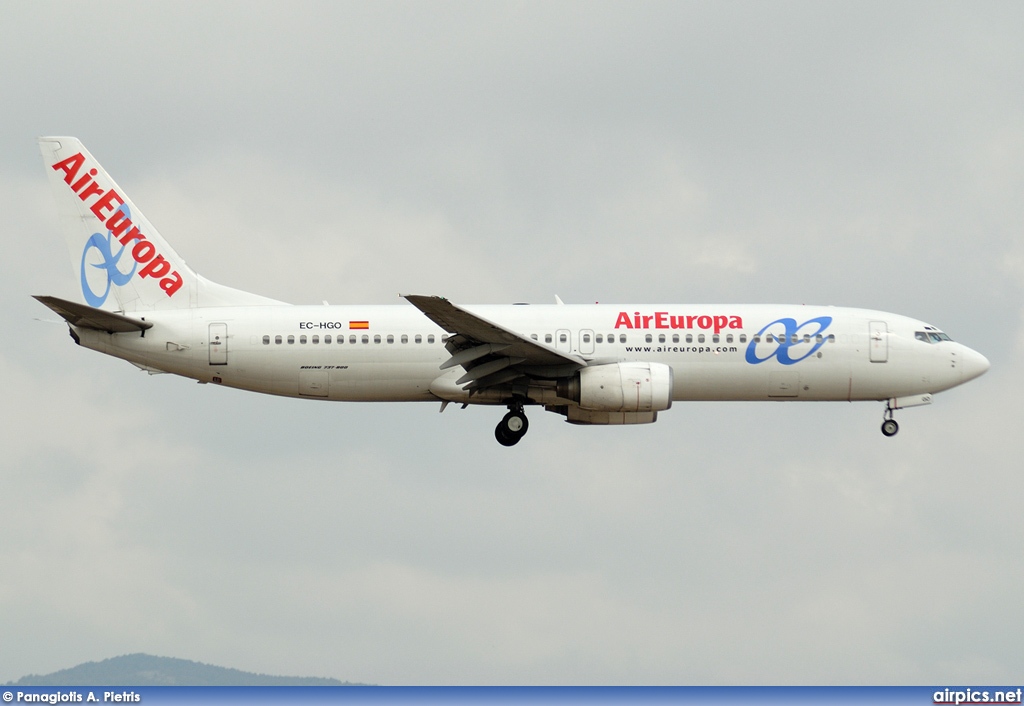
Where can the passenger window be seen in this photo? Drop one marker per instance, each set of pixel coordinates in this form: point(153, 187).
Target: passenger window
point(366, 339)
point(316, 339)
point(599, 338)
point(793, 338)
point(661, 338)
point(832, 338)
point(533, 336)
point(430, 338)
point(327, 339)
point(376, 338)
point(716, 338)
point(352, 339)
point(418, 339)
point(586, 338)
point(622, 338)
point(562, 338)
point(647, 338)
point(728, 338)
point(547, 338)
point(277, 339)
point(405, 338)
point(700, 338)
point(391, 338)
point(675, 338)
point(743, 338)
point(689, 338)
point(769, 338)
point(302, 339)
point(291, 340)
point(266, 340)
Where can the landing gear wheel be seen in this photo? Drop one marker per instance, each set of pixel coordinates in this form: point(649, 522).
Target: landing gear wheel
point(516, 423)
point(512, 427)
point(504, 437)
point(890, 427)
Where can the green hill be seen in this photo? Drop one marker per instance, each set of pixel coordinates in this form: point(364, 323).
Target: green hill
point(147, 670)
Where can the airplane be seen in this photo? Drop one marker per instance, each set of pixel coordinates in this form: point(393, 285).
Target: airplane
point(592, 364)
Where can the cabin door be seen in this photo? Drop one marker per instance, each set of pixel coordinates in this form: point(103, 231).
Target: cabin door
point(878, 341)
point(218, 344)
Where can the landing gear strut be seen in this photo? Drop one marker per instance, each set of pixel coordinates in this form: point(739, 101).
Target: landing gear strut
point(889, 425)
point(512, 426)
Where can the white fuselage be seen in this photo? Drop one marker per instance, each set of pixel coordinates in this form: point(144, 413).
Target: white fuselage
point(394, 353)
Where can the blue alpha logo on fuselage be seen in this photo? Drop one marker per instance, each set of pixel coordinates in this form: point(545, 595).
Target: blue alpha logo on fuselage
point(788, 342)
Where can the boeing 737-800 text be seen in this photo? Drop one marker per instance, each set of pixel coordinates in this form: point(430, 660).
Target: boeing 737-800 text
point(600, 364)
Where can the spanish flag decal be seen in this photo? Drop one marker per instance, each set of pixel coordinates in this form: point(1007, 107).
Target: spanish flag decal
point(358, 324)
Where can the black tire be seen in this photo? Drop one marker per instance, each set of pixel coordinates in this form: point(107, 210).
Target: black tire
point(516, 424)
point(504, 437)
point(890, 427)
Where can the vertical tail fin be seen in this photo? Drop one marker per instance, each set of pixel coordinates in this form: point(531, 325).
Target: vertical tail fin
point(121, 261)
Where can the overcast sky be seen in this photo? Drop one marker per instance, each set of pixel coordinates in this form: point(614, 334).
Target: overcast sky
point(858, 154)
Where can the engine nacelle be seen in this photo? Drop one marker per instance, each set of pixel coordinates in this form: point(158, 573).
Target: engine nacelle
point(578, 415)
point(633, 386)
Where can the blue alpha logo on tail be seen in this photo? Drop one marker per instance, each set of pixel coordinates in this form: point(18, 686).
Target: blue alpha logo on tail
point(109, 265)
point(112, 210)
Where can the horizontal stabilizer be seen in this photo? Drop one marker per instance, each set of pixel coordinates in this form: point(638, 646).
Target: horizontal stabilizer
point(84, 316)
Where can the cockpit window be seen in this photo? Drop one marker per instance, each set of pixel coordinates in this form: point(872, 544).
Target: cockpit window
point(931, 336)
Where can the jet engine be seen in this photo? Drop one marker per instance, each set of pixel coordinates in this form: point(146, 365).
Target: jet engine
point(633, 386)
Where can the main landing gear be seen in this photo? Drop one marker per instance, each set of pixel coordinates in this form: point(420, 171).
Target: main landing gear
point(512, 426)
point(889, 425)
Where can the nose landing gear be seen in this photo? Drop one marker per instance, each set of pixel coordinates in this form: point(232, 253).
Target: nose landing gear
point(513, 426)
point(889, 425)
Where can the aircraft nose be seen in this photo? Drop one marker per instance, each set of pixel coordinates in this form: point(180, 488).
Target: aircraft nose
point(974, 364)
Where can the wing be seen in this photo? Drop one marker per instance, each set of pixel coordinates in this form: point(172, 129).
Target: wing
point(490, 353)
point(87, 317)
